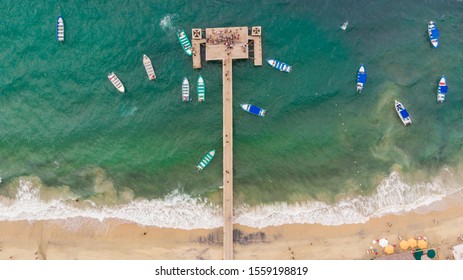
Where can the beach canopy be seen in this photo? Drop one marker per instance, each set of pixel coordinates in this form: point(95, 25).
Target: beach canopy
point(383, 242)
point(422, 244)
point(389, 249)
point(412, 242)
point(431, 253)
point(404, 245)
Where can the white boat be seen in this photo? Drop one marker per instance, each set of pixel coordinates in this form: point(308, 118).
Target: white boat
point(185, 90)
point(149, 67)
point(279, 65)
point(344, 25)
point(402, 112)
point(433, 33)
point(60, 29)
point(116, 82)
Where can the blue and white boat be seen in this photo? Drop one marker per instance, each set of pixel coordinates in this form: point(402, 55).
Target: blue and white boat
point(60, 29)
point(433, 33)
point(254, 110)
point(361, 78)
point(279, 65)
point(442, 89)
point(403, 114)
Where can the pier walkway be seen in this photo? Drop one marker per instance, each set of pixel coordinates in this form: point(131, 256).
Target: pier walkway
point(226, 44)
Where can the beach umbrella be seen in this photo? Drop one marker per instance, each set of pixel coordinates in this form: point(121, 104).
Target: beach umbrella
point(389, 249)
point(383, 242)
point(418, 254)
point(412, 242)
point(431, 253)
point(422, 244)
point(404, 245)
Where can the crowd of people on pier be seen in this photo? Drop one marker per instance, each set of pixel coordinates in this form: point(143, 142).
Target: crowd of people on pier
point(226, 37)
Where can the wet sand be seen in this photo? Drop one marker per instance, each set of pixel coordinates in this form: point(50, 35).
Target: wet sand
point(113, 239)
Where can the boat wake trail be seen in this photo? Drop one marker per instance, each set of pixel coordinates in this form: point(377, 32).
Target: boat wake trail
point(166, 22)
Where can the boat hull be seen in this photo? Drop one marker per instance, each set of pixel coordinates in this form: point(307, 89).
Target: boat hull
point(279, 65)
point(185, 42)
point(201, 89)
point(442, 89)
point(433, 34)
point(205, 160)
point(361, 78)
point(149, 67)
point(185, 90)
point(116, 82)
point(403, 113)
point(60, 29)
point(253, 110)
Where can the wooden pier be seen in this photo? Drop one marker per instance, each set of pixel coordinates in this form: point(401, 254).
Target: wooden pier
point(226, 44)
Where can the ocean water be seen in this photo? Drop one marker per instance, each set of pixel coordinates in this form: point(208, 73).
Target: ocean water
point(72, 146)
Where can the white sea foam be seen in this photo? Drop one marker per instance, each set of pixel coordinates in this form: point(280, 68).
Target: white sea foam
point(178, 210)
point(166, 22)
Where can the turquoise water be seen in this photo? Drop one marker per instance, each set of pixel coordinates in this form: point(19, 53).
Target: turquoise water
point(65, 128)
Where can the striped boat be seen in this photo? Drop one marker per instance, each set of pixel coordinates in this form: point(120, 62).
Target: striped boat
point(201, 88)
point(185, 90)
point(206, 160)
point(185, 42)
point(253, 110)
point(149, 67)
point(60, 29)
point(279, 65)
point(116, 82)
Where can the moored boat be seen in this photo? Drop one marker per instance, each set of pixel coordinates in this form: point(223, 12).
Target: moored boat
point(185, 42)
point(403, 114)
point(116, 82)
point(253, 110)
point(185, 90)
point(149, 67)
point(60, 29)
point(201, 88)
point(442, 89)
point(279, 65)
point(205, 160)
point(433, 33)
point(361, 78)
point(344, 25)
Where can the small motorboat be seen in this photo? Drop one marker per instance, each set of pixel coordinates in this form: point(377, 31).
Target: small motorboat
point(442, 89)
point(344, 25)
point(205, 160)
point(185, 42)
point(116, 82)
point(201, 89)
point(279, 65)
point(60, 29)
point(149, 67)
point(361, 78)
point(403, 114)
point(433, 33)
point(253, 110)
point(185, 90)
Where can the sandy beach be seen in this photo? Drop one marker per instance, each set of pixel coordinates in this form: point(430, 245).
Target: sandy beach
point(112, 239)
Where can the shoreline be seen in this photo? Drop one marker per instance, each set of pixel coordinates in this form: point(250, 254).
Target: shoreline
point(119, 240)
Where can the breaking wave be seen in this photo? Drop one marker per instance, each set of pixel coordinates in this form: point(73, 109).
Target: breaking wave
point(178, 210)
point(166, 22)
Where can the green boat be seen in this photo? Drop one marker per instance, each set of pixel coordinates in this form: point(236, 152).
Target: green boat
point(201, 88)
point(185, 42)
point(206, 160)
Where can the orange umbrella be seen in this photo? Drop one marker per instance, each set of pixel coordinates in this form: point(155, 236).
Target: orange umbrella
point(412, 242)
point(404, 245)
point(422, 244)
point(389, 249)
